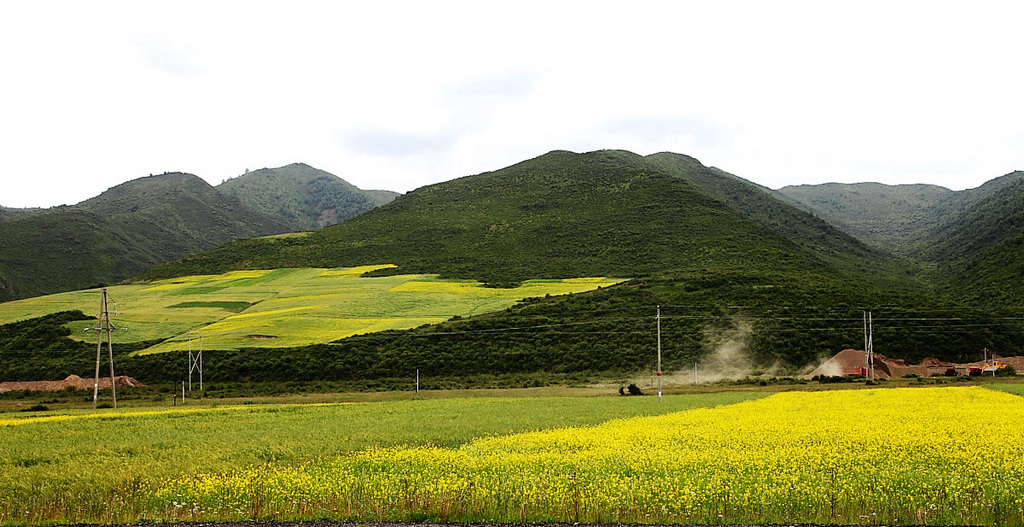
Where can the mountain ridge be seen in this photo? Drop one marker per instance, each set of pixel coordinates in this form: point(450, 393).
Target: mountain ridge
point(556, 215)
point(725, 261)
point(124, 230)
point(304, 197)
point(722, 256)
point(966, 241)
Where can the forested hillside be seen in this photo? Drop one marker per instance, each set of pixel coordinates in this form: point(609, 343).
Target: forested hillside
point(967, 243)
point(727, 262)
point(303, 197)
point(891, 217)
point(743, 281)
point(125, 230)
point(979, 252)
point(157, 219)
point(559, 215)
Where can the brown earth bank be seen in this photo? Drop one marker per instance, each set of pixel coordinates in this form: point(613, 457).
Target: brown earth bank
point(72, 381)
point(410, 524)
point(852, 362)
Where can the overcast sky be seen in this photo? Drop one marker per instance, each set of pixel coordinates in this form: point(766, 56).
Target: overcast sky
point(397, 95)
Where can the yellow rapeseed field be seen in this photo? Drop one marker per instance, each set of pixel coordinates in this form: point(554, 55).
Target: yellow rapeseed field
point(285, 307)
point(907, 456)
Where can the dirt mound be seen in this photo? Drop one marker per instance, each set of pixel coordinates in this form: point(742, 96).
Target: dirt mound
point(72, 381)
point(853, 362)
point(850, 362)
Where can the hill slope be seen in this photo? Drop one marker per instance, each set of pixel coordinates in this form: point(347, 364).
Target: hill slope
point(980, 250)
point(67, 249)
point(128, 228)
point(733, 272)
point(7, 214)
point(783, 284)
point(843, 252)
point(559, 215)
point(894, 217)
point(303, 197)
point(902, 218)
point(970, 239)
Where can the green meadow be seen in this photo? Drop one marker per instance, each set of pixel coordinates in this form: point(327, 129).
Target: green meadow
point(285, 307)
point(102, 466)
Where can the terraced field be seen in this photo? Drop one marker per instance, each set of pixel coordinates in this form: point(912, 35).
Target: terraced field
point(286, 307)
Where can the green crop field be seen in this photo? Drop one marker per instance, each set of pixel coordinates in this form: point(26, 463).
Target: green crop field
point(286, 307)
point(100, 467)
point(871, 456)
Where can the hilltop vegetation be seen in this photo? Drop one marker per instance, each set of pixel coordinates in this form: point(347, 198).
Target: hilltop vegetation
point(153, 220)
point(606, 213)
point(744, 280)
point(969, 241)
point(303, 197)
point(893, 217)
point(727, 261)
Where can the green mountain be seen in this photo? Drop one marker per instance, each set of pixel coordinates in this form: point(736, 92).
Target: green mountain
point(559, 215)
point(735, 279)
point(842, 251)
point(729, 264)
point(66, 249)
point(157, 219)
point(979, 250)
point(8, 214)
point(968, 240)
point(904, 219)
point(303, 197)
point(893, 217)
point(565, 214)
point(127, 229)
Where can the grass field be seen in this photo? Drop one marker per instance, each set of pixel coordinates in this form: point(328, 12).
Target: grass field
point(286, 307)
point(86, 466)
point(868, 456)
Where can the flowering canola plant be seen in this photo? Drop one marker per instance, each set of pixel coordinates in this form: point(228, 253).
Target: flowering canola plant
point(912, 455)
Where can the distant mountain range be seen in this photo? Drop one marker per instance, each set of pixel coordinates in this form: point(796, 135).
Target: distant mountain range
point(153, 220)
point(565, 214)
point(787, 273)
point(688, 235)
point(304, 197)
point(971, 242)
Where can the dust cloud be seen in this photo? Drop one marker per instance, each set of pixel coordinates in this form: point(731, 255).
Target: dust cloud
point(729, 359)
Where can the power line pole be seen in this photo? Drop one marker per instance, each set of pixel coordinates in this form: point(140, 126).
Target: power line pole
point(195, 362)
point(871, 344)
point(104, 326)
point(659, 354)
point(869, 347)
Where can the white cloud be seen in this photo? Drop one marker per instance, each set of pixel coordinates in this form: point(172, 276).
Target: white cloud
point(401, 94)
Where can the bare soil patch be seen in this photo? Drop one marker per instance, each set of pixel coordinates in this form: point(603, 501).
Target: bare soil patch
point(72, 381)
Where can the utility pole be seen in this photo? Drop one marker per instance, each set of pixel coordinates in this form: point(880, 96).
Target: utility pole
point(195, 362)
point(869, 347)
point(103, 325)
point(659, 354)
